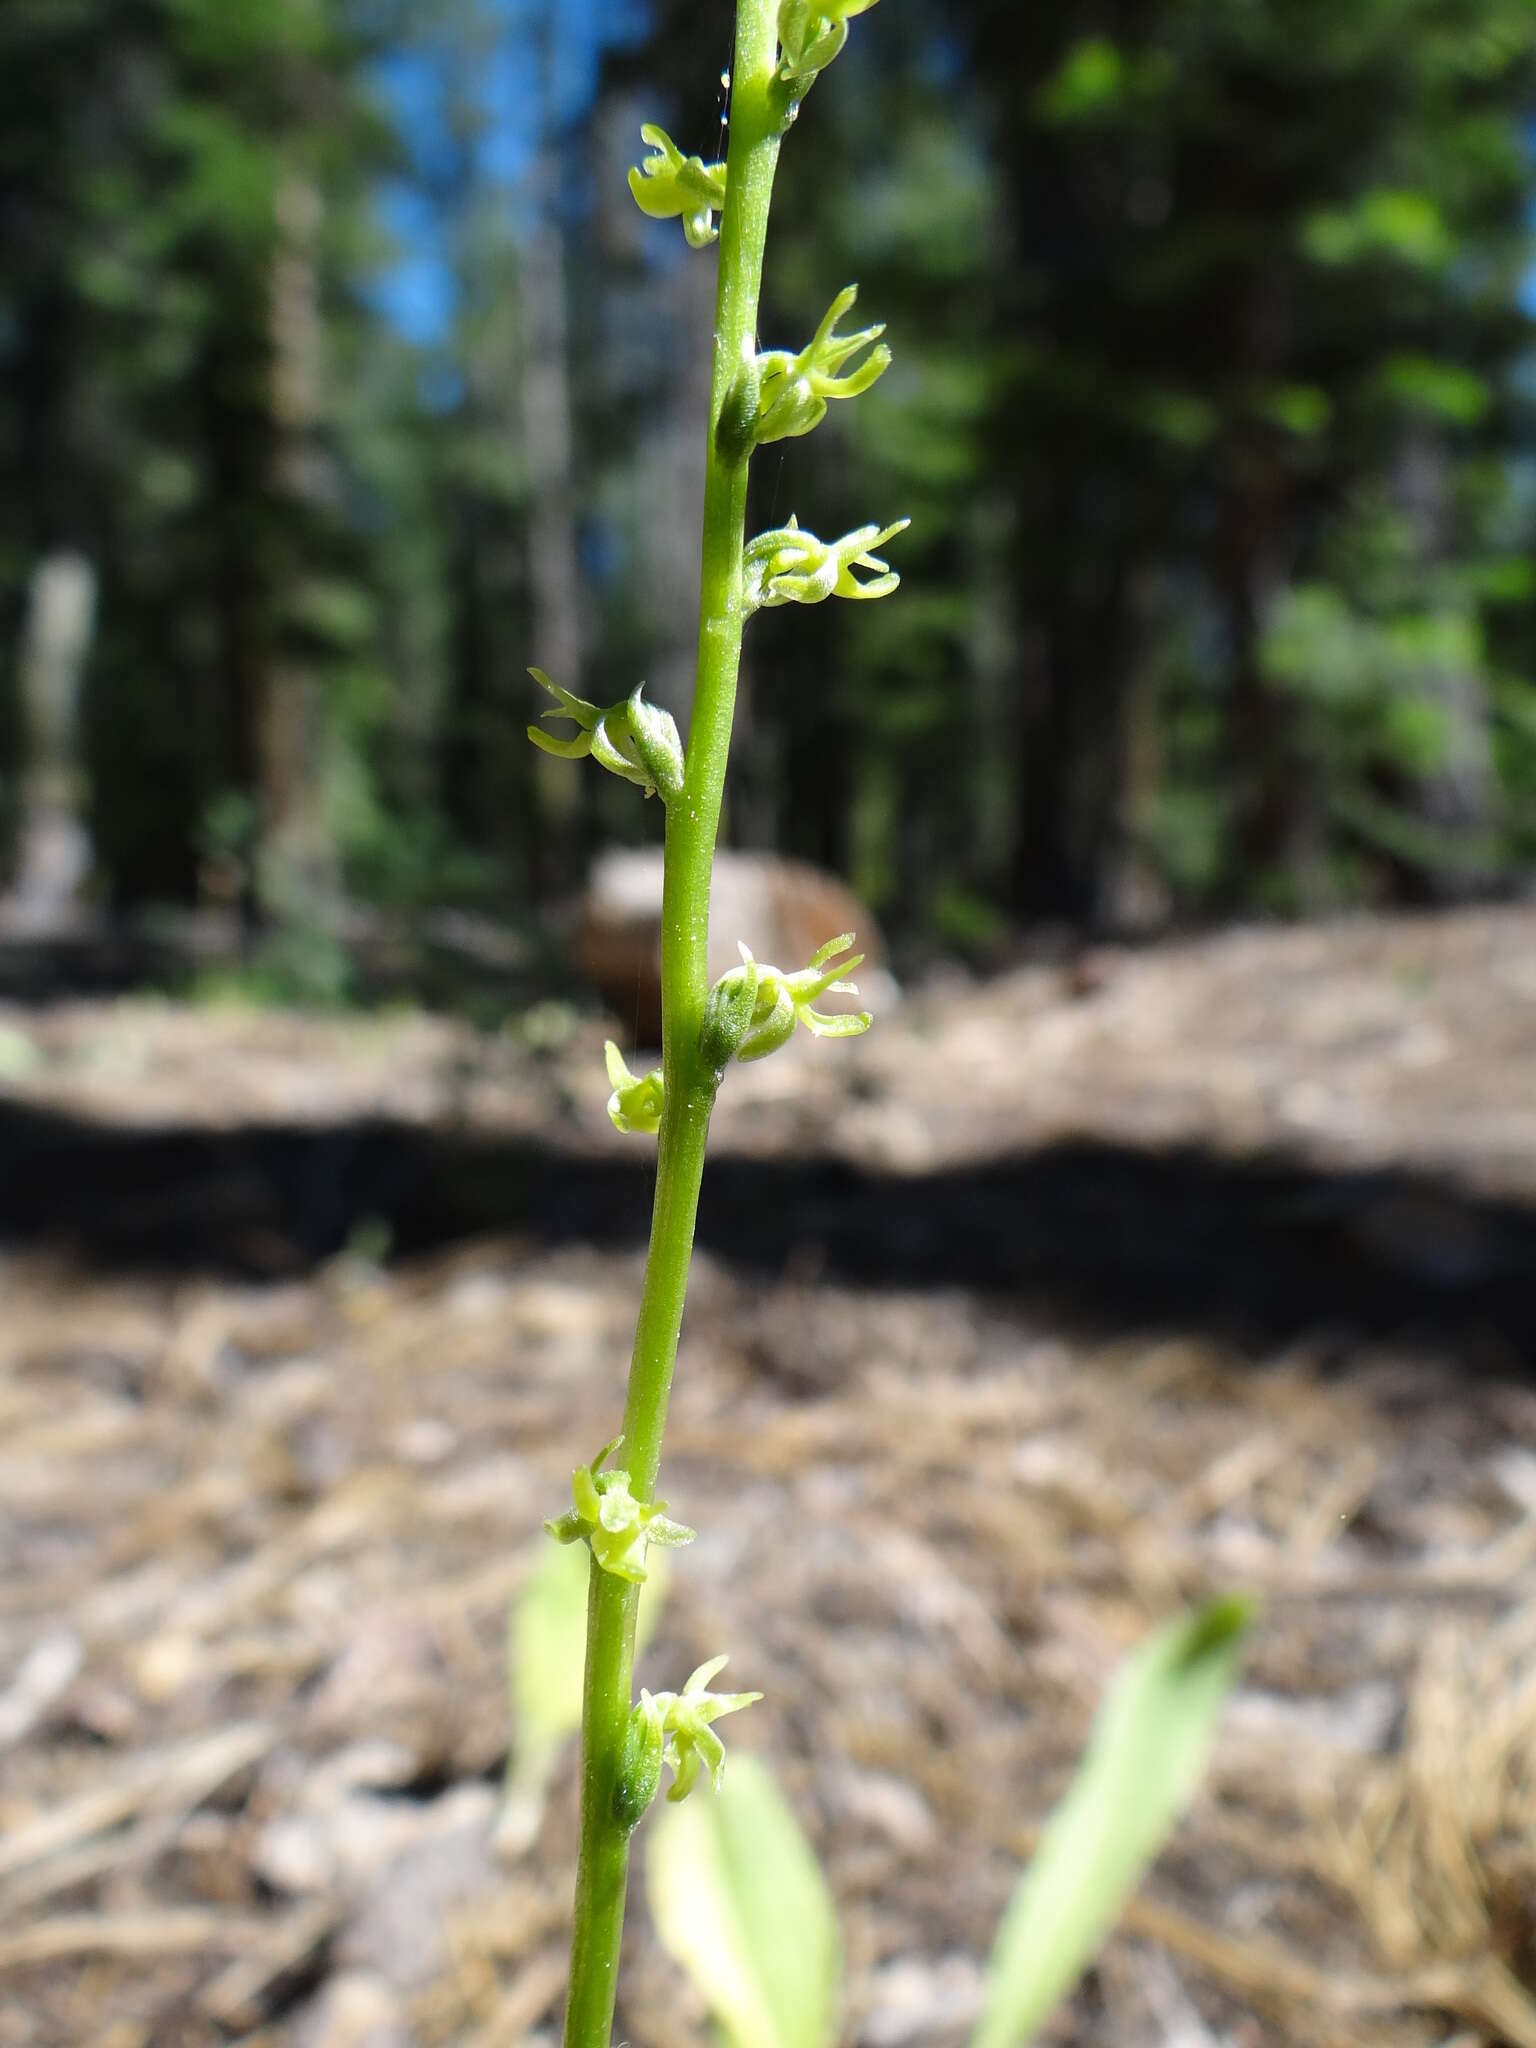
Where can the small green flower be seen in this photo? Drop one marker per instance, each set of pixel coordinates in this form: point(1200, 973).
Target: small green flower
point(791, 566)
point(618, 1527)
point(684, 1719)
point(635, 740)
point(669, 184)
point(794, 389)
point(780, 1001)
point(811, 33)
point(636, 1102)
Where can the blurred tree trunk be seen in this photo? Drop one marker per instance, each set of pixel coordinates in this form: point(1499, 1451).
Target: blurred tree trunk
point(55, 850)
point(1077, 654)
point(1138, 898)
point(1267, 775)
point(236, 430)
point(298, 862)
point(1456, 797)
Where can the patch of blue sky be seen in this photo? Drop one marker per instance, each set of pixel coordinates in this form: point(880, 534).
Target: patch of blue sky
point(538, 74)
point(418, 291)
point(410, 82)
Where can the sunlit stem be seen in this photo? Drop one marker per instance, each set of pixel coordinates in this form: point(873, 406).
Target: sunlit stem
point(692, 820)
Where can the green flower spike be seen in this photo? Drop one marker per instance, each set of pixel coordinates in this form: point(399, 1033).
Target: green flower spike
point(616, 1525)
point(684, 1719)
point(811, 33)
point(636, 1102)
point(781, 1001)
point(791, 566)
point(793, 394)
point(634, 739)
point(669, 184)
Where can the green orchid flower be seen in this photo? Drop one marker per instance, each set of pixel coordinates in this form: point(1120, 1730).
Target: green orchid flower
point(789, 565)
point(793, 390)
point(753, 1010)
point(684, 1719)
point(811, 34)
point(669, 185)
point(617, 1527)
point(633, 739)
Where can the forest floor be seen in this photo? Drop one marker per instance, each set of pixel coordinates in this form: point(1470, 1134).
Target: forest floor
point(1049, 1306)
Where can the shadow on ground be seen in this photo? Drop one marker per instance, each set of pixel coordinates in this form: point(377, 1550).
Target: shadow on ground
point(1262, 1249)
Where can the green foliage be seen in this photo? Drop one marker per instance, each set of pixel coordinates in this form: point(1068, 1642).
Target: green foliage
point(1406, 225)
point(1180, 291)
point(1143, 1761)
point(740, 1903)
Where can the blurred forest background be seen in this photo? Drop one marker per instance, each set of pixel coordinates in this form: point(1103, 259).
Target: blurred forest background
point(340, 379)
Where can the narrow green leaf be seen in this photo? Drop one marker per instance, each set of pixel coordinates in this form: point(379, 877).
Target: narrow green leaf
point(1143, 1761)
point(741, 1905)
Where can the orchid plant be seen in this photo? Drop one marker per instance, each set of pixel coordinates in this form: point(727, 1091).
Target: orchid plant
point(757, 396)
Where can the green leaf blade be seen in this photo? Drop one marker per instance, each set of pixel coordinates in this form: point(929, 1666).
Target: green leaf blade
point(1143, 1761)
point(741, 1905)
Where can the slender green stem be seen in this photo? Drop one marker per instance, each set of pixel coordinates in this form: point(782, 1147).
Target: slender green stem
point(693, 818)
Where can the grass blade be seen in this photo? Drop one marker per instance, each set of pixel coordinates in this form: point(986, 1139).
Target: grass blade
point(1143, 1761)
point(740, 1903)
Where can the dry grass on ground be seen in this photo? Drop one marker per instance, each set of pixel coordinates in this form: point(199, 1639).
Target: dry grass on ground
point(260, 1536)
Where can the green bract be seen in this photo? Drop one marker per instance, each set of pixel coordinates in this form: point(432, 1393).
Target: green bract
point(616, 1525)
point(729, 1011)
point(635, 740)
point(793, 390)
point(637, 1101)
point(811, 33)
point(791, 566)
point(669, 184)
point(754, 1009)
point(640, 1762)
